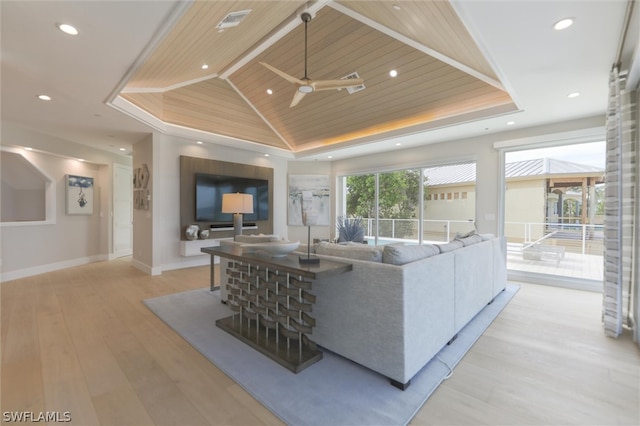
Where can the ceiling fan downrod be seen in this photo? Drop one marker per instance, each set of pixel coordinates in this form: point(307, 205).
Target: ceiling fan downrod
point(306, 17)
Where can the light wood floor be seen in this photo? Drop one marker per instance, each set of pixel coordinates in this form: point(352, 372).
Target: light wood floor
point(81, 341)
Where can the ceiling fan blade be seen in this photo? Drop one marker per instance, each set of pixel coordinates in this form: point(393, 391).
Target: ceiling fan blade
point(336, 84)
point(282, 74)
point(297, 98)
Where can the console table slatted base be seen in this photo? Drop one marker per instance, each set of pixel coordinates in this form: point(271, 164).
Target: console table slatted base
point(271, 314)
point(272, 304)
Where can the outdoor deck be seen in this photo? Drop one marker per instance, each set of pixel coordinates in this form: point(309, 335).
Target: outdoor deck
point(573, 265)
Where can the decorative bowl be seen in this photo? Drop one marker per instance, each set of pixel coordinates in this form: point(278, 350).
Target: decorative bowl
point(274, 248)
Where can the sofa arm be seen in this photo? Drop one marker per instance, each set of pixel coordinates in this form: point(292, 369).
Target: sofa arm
point(391, 319)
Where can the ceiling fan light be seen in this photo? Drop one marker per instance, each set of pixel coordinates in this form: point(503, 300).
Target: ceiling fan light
point(305, 89)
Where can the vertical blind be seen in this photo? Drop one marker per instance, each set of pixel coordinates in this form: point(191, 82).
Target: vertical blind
point(619, 206)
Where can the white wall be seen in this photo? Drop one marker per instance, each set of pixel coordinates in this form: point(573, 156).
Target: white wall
point(72, 240)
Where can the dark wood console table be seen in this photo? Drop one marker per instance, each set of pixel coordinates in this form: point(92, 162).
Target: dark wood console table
point(272, 302)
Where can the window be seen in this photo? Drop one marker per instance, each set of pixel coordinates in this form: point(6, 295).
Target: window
point(391, 207)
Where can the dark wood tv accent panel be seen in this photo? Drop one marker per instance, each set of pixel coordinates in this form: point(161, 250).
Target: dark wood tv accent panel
point(189, 166)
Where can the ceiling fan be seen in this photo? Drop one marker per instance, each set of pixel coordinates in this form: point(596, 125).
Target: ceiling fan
point(305, 84)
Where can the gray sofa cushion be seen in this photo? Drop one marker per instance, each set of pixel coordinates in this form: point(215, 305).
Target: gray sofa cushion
point(351, 251)
point(450, 246)
point(400, 254)
point(474, 239)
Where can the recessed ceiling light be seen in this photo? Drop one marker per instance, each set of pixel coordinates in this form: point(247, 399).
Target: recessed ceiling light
point(123, 149)
point(81, 159)
point(199, 142)
point(398, 144)
point(44, 97)
point(68, 29)
point(573, 95)
point(28, 148)
point(329, 156)
point(563, 24)
point(269, 92)
point(396, 7)
point(393, 73)
point(205, 66)
point(510, 123)
point(266, 155)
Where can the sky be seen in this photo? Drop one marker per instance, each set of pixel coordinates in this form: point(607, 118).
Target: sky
point(592, 154)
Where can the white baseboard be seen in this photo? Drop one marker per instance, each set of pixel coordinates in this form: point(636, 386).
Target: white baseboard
point(50, 267)
point(149, 270)
point(200, 261)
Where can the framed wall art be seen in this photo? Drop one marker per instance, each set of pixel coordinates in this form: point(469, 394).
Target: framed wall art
point(141, 178)
point(79, 194)
point(309, 200)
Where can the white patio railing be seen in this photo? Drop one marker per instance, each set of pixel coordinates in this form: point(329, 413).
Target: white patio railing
point(407, 229)
point(578, 238)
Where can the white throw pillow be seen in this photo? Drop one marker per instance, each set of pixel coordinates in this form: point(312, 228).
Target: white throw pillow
point(401, 254)
point(351, 251)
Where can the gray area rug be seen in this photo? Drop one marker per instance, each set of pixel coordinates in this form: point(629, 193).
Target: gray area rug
point(334, 391)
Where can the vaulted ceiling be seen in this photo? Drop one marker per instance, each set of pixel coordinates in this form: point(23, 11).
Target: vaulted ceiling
point(441, 72)
point(466, 68)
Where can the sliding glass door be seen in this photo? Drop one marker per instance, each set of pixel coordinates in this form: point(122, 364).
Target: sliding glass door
point(554, 203)
point(414, 206)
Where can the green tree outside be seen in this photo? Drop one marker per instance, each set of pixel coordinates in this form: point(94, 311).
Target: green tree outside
point(398, 197)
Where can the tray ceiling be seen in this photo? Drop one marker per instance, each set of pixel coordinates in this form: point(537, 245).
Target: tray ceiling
point(443, 78)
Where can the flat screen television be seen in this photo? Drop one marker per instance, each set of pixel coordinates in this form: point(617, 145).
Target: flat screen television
point(209, 190)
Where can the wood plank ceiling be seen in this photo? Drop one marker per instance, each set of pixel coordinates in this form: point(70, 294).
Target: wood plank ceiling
point(442, 74)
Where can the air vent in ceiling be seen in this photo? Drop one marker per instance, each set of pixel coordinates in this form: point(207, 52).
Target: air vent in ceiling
point(353, 89)
point(232, 19)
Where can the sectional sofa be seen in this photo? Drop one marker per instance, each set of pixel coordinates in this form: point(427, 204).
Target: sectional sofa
point(401, 304)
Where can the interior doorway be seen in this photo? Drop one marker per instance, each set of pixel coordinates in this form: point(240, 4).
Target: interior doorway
point(122, 211)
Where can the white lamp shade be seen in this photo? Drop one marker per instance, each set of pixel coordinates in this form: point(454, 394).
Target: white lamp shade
point(237, 203)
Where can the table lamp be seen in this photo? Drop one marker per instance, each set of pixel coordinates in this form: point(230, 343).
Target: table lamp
point(237, 204)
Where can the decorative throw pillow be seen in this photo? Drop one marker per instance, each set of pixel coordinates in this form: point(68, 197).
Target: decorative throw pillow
point(359, 252)
point(460, 236)
point(401, 254)
point(486, 237)
point(471, 240)
point(351, 251)
point(451, 246)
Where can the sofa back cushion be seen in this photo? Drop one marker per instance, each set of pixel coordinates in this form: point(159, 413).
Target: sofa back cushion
point(450, 246)
point(351, 251)
point(397, 254)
